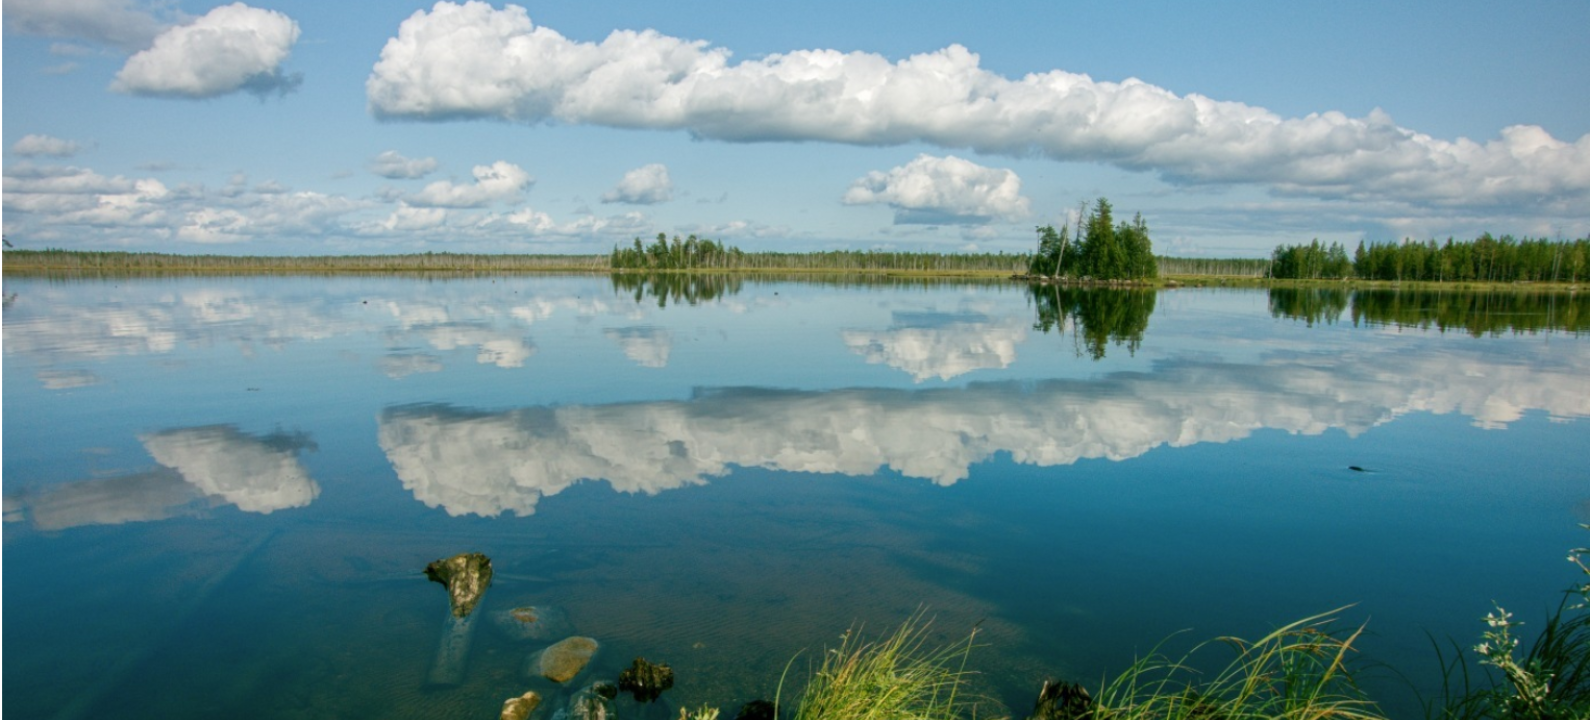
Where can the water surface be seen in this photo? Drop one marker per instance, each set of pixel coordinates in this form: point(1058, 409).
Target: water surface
point(219, 493)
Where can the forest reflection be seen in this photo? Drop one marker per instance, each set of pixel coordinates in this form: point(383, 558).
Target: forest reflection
point(1097, 317)
point(692, 288)
point(1474, 313)
point(676, 288)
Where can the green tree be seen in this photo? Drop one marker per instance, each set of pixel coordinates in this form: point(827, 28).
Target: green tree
point(1048, 260)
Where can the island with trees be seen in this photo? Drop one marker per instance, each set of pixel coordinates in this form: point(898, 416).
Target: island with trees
point(1102, 251)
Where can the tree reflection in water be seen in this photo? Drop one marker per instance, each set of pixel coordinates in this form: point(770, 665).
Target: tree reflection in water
point(1097, 317)
point(1477, 313)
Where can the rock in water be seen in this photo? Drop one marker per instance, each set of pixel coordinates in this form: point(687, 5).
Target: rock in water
point(466, 575)
point(532, 622)
point(757, 710)
point(564, 659)
point(593, 703)
point(1062, 701)
point(645, 680)
point(519, 708)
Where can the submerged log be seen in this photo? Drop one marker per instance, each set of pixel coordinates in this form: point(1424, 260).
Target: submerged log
point(466, 575)
point(452, 653)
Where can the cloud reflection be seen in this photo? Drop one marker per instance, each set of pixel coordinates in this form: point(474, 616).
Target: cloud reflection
point(401, 365)
point(257, 474)
point(155, 495)
point(942, 345)
point(647, 346)
point(487, 463)
point(58, 379)
point(200, 468)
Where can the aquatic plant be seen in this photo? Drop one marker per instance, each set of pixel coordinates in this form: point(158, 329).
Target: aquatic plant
point(705, 712)
point(1551, 681)
point(1300, 670)
point(899, 677)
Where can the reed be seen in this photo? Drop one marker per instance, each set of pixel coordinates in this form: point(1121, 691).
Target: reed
point(900, 677)
point(1299, 671)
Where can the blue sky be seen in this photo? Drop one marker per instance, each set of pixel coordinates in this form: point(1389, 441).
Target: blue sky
point(358, 127)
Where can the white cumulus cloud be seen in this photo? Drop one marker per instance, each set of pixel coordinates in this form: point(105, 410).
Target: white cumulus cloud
point(51, 202)
point(78, 196)
point(645, 185)
point(391, 165)
point(35, 145)
point(474, 61)
point(120, 23)
point(498, 181)
point(231, 48)
point(937, 190)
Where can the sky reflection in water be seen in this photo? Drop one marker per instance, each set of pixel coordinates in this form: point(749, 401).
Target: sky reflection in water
point(342, 430)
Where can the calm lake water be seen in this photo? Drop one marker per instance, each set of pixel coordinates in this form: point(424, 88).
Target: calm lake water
point(220, 492)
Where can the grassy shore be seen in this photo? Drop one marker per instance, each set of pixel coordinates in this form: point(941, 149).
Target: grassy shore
point(1304, 670)
point(63, 262)
point(1357, 284)
point(69, 263)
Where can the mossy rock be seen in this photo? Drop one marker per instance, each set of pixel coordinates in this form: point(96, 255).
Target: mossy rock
point(564, 659)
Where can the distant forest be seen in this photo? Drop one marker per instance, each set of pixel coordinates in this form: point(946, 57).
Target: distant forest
point(1099, 250)
point(693, 253)
point(1485, 259)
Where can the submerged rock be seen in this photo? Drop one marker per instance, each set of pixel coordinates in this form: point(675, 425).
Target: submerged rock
point(466, 575)
point(595, 702)
point(1060, 700)
point(519, 708)
point(645, 680)
point(564, 659)
point(532, 622)
point(757, 710)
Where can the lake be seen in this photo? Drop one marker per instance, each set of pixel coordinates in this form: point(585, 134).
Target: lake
point(220, 492)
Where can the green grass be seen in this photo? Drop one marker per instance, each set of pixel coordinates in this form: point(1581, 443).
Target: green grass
point(900, 677)
point(1300, 671)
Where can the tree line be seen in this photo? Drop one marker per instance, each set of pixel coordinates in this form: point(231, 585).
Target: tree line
point(693, 253)
point(1101, 249)
point(1484, 259)
point(115, 262)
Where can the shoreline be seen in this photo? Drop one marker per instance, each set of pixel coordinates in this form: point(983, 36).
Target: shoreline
point(74, 264)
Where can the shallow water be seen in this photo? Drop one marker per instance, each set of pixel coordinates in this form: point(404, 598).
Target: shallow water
point(219, 493)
